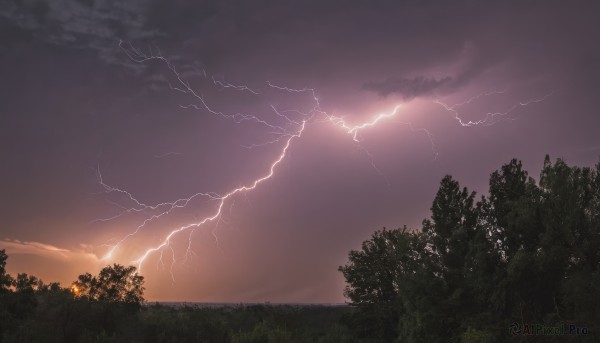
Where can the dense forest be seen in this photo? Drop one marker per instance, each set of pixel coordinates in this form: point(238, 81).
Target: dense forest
point(522, 261)
point(110, 308)
point(519, 264)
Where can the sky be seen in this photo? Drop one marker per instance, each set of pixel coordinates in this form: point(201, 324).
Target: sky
point(236, 151)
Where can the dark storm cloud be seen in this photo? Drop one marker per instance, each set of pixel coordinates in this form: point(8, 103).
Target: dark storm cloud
point(287, 35)
point(472, 61)
point(423, 86)
point(95, 24)
point(325, 33)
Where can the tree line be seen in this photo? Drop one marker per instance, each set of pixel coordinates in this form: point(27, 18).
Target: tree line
point(521, 263)
point(110, 307)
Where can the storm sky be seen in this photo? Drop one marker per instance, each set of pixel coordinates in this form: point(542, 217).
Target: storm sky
point(75, 104)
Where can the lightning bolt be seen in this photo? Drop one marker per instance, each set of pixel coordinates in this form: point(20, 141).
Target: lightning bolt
point(224, 84)
point(184, 87)
point(354, 130)
point(490, 118)
point(217, 214)
point(292, 129)
point(166, 208)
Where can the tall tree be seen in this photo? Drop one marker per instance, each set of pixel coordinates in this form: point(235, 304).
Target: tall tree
point(450, 232)
point(525, 253)
point(514, 197)
point(5, 278)
point(115, 283)
point(571, 242)
point(451, 226)
point(375, 276)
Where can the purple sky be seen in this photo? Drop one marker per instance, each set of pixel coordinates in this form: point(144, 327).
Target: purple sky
point(73, 101)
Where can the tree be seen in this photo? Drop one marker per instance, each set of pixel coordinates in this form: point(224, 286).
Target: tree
point(529, 252)
point(5, 279)
point(514, 219)
point(114, 284)
point(5, 282)
point(570, 243)
point(375, 276)
point(24, 283)
point(451, 232)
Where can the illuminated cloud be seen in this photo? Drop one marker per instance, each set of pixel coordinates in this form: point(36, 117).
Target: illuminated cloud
point(17, 247)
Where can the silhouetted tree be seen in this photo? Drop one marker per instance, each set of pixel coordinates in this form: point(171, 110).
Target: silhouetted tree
point(115, 283)
point(5, 278)
point(450, 232)
point(104, 311)
point(527, 253)
point(375, 275)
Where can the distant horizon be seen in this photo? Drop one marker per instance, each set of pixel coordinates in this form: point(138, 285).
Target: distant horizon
point(233, 304)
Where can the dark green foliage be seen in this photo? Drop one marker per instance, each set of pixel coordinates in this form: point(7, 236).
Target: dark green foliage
point(5, 279)
point(101, 310)
point(109, 308)
point(32, 311)
point(114, 284)
point(375, 275)
point(254, 323)
point(526, 253)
